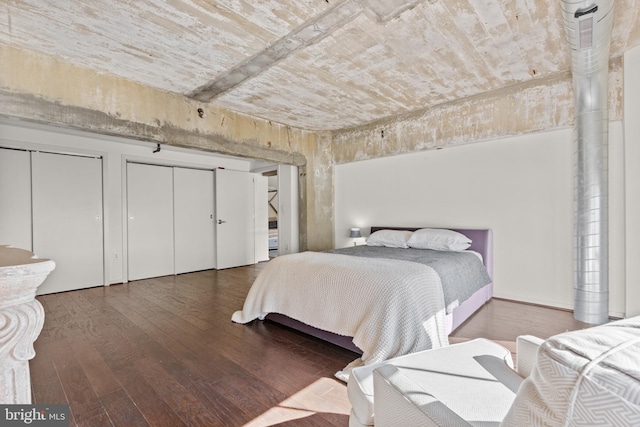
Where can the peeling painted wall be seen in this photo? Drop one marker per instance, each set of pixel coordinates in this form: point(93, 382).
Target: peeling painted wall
point(310, 64)
point(535, 106)
point(123, 107)
point(44, 89)
point(319, 194)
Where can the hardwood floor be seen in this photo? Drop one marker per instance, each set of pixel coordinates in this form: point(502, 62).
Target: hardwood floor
point(164, 352)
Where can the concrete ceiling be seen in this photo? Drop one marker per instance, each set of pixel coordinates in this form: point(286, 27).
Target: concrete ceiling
point(312, 64)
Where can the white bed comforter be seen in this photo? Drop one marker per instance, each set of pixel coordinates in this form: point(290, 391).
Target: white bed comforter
point(389, 307)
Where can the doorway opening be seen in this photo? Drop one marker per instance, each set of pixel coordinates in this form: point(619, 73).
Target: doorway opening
point(272, 200)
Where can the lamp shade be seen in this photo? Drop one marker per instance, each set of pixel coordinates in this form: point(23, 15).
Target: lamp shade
point(355, 233)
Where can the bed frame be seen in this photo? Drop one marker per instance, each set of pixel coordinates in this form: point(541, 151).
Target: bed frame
point(482, 242)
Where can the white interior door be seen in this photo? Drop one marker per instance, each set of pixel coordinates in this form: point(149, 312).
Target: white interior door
point(149, 221)
point(193, 220)
point(15, 198)
point(235, 232)
point(67, 219)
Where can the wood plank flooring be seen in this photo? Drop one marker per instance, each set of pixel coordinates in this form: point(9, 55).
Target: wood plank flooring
point(164, 352)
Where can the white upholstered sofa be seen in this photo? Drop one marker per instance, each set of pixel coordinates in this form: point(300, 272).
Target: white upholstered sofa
point(589, 377)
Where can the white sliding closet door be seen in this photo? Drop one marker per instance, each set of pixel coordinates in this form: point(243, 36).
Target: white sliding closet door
point(15, 198)
point(149, 221)
point(235, 227)
point(193, 219)
point(67, 219)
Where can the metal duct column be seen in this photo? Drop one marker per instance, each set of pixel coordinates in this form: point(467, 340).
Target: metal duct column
point(588, 27)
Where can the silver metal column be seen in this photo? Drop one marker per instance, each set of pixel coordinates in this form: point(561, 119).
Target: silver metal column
point(588, 27)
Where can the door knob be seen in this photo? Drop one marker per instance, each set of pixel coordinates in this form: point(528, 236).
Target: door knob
point(221, 221)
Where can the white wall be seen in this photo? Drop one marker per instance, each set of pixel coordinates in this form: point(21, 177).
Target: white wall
point(632, 182)
point(115, 153)
point(288, 210)
point(521, 187)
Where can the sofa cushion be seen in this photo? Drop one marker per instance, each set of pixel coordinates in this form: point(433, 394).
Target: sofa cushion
point(587, 377)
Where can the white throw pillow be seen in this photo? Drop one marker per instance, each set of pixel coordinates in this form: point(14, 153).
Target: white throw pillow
point(389, 238)
point(439, 240)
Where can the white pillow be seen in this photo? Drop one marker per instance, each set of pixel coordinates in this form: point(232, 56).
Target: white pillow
point(439, 240)
point(389, 238)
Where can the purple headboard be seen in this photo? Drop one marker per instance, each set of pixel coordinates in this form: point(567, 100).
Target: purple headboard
point(481, 241)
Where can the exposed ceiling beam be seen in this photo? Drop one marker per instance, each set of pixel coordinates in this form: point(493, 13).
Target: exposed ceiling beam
point(307, 34)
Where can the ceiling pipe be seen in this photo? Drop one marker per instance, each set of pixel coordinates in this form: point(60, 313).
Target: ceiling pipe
point(588, 27)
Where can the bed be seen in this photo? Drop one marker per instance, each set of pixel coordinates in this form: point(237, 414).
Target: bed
point(270, 299)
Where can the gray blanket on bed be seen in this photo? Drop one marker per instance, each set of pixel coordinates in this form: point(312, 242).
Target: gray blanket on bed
point(461, 273)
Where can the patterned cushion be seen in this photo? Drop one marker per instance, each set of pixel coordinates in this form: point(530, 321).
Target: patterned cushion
point(583, 378)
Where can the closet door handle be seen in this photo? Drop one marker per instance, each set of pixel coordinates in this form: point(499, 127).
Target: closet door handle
point(221, 221)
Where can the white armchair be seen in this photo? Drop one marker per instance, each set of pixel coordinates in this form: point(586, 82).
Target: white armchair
point(589, 377)
point(476, 376)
